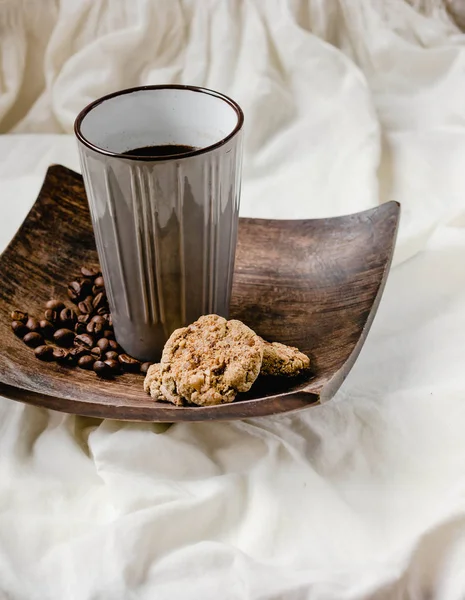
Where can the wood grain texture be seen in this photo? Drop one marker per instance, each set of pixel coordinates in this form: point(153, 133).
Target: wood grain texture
point(315, 284)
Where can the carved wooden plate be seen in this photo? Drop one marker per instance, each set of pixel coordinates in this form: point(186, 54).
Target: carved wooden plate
point(315, 284)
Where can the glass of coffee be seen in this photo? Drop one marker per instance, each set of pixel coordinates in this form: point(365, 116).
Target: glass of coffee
point(162, 171)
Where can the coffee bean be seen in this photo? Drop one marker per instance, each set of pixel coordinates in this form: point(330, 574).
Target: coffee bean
point(46, 328)
point(103, 344)
point(78, 351)
point(98, 319)
point(86, 287)
point(90, 272)
point(109, 319)
point(79, 290)
point(19, 328)
point(55, 305)
point(94, 328)
point(67, 318)
point(109, 334)
point(99, 285)
point(102, 310)
point(44, 353)
point(102, 369)
point(86, 362)
point(96, 352)
point(114, 345)
point(80, 328)
point(19, 315)
point(60, 355)
point(128, 363)
point(85, 307)
point(74, 291)
point(64, 337)
point(111, 355)
point(33, 339)
point(83, 319)
point(114, 366)
point(52, 315)
point(99, 301)
point(145, 367)
point(33, 324)
point(84, 340)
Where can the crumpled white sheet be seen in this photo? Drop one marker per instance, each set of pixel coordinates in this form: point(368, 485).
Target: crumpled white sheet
point(348, 103)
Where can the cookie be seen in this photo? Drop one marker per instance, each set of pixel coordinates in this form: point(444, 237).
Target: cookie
point(159, 383)
point(279, 359)
point(207, 363)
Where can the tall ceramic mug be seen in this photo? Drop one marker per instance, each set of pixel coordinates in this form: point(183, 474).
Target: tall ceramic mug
point(162, 169)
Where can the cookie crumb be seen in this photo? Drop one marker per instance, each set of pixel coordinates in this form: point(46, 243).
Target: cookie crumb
point(279, 359)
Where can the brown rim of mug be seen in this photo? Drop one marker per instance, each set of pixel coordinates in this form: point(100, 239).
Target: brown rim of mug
point(193, 88)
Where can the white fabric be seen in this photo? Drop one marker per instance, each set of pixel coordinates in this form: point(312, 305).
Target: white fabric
point(348, 103)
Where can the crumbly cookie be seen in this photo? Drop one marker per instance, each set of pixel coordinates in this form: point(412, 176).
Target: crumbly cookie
point(160, 384)
point(207, 363)
point(279, 359)
point(152, 374)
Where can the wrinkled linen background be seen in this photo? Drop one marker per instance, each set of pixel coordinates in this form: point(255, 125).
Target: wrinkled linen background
point(348, 103)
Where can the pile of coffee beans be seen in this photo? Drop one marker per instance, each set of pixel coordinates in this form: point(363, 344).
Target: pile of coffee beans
point(80, 336)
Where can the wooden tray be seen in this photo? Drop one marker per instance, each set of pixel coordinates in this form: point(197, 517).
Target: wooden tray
point(315, 284)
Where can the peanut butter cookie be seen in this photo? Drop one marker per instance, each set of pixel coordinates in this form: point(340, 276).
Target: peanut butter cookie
point(207, 363)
